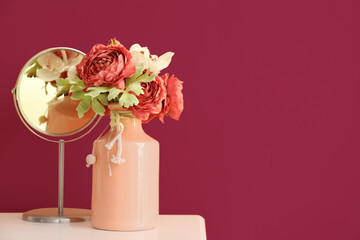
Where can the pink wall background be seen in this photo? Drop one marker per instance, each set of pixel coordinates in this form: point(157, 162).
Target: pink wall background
point(268, 144)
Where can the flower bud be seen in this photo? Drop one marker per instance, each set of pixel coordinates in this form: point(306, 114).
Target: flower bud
point(113, 41)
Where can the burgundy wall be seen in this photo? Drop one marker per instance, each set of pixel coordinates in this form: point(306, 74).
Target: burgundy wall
point(268, 144)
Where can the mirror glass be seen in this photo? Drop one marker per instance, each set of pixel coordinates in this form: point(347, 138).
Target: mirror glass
point(45, 105)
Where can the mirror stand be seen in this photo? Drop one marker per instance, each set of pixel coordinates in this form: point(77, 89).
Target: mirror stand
point(59, 214)
point(51, 115)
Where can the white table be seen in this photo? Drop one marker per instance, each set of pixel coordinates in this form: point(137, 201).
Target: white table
point(171, 227)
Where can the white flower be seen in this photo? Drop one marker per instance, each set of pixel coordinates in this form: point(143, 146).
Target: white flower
point(141, 55)
point(53, 65)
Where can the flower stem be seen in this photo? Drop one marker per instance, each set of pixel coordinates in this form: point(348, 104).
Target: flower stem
point(63, 53)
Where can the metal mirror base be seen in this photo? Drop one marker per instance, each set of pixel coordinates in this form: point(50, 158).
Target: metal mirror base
point(51, 215)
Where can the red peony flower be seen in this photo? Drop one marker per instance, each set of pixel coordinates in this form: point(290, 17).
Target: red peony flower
point(173, 104)
point(106, 66)
point(150, 102)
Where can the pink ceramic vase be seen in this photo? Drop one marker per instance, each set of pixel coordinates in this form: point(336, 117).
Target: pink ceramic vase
point(125, 197)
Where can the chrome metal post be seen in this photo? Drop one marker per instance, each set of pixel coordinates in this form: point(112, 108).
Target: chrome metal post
point(61, 177)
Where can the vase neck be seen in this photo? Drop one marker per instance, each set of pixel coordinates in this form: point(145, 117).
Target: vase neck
point(126, 118)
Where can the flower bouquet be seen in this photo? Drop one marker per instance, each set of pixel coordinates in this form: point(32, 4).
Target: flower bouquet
point(127, 85)
point(113, 74)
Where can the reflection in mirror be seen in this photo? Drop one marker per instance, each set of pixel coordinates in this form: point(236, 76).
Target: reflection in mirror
point(44, 98)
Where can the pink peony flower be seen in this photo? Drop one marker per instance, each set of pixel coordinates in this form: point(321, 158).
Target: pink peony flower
point(150, 102)
point(173, 104)
point(106, 66)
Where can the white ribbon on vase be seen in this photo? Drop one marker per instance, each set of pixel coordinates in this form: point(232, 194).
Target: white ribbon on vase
point(115, 124)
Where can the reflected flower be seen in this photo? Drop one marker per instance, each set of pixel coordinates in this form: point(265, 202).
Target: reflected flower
point(54, 64)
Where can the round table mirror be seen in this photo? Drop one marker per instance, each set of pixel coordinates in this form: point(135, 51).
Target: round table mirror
point(44, 104)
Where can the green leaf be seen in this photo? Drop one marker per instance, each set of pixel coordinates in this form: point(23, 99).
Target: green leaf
point(103, 99)
point(142, 78)
point(77, 95)
point(77, 88)
point(62, 82)
point(97, 107)
point(103, 89)
point(83, 106)
point(95, 91)
point(31, 72)
point(136, 88)
point(146, 77)
point(113, 93)
point(77, 83)
point(132, 79)
point(127, 100)
point(63, 90)
point(139, 70)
